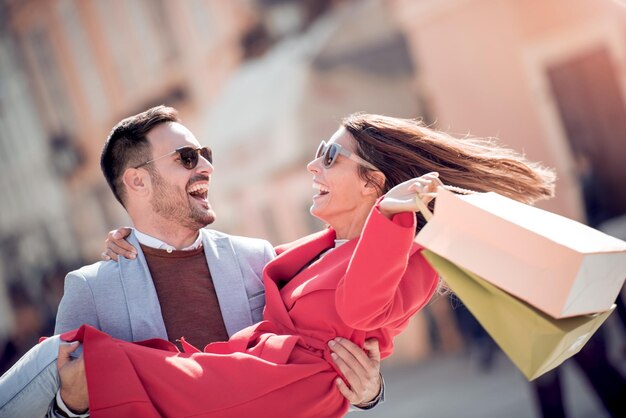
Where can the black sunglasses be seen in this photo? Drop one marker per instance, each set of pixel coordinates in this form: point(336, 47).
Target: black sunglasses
point(188, 156)
point(330, 152)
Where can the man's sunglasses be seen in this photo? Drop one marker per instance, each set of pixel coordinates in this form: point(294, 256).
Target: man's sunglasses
point(330, 152)
point(188, 156)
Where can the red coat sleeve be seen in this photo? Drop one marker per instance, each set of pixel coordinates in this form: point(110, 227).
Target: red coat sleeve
point(387, 280)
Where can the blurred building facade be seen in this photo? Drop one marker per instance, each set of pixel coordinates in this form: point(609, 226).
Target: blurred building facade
point(263, 81)
point(69, 70)
point(547, 77)
point(34, 217)
point(274, 111)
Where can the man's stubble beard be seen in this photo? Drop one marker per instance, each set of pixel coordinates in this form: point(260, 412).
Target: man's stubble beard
point(168, 202)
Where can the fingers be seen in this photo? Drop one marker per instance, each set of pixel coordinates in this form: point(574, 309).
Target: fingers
point(109, 255)
point(347, 393)
point(116, 244)
point(119, 237)
point(120, 233)
point(427, 182)
point(73, 380)
point(426, 186)
point(349, 352)
point(349, 365)
point(65, 349)
point(433, 182)
point(373, 349)
point(125, 250)
point(401, 198)
point(360, 368)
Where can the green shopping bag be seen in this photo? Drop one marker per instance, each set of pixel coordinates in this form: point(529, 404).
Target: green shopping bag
point(534, 341)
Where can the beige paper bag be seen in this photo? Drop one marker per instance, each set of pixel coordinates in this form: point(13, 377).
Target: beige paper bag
point(558, 265)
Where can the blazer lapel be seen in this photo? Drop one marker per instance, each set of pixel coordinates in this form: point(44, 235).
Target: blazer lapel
point(144, 310)
point(228, 282)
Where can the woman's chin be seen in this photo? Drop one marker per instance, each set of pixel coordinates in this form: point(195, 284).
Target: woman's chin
point(317, 211)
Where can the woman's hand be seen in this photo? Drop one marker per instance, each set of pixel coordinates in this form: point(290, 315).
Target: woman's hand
point(116, 245)
point(402, 197)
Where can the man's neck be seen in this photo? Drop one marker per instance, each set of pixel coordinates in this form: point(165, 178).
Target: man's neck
point(175, 235)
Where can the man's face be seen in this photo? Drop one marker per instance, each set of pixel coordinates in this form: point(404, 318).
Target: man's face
point(178, 194)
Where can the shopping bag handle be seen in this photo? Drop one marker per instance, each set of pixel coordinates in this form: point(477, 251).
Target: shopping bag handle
point(423, 208)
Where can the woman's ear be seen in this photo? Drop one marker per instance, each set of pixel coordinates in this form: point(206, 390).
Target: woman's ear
point(375, 183)
point(137, 181)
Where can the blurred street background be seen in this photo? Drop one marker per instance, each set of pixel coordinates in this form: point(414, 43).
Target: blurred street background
point(262, 82)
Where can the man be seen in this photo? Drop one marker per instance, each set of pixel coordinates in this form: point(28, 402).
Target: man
point(160, 174)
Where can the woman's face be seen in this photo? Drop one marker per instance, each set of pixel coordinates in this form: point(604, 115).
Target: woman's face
point(343, 199)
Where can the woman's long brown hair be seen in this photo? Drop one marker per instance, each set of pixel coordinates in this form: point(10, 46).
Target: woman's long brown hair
point(405, 148)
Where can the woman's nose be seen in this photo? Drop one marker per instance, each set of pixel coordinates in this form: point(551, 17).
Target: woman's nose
point(314, 166)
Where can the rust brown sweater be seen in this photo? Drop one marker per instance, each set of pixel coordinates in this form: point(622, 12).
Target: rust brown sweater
point(188, 301)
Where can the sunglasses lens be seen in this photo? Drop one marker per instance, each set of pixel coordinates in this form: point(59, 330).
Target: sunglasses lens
point(320, 150)
point(330, 155)
point(188, 158)
point(207, 154)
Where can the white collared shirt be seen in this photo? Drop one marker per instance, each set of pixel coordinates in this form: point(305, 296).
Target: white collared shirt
point(152, 242)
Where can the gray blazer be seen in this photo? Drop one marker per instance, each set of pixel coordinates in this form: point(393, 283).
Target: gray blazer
point(119, 298)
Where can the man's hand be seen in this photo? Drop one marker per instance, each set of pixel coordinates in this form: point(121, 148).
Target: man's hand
point(361, 369)
point(73, 379)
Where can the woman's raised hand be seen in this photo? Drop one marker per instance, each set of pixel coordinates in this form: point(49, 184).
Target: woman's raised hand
point(116, 245)
point(402, 197)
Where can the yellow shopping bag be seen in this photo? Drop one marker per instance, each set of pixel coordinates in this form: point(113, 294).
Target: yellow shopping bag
point(534, 341)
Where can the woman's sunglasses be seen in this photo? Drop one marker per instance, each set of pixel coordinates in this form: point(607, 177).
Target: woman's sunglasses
point(188, 156)
point(330, 152)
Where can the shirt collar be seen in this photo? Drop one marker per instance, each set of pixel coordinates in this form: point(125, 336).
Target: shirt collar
point(340, 242)
point(152, 242)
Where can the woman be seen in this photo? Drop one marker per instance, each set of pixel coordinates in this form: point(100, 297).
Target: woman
point(362, 277)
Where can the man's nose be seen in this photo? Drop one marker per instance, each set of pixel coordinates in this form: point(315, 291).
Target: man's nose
point(204, 165)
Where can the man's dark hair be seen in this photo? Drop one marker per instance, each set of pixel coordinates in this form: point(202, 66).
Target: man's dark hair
point(127, 145)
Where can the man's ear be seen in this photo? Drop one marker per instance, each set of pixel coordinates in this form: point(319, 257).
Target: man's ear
point(374, 184)
point(137, 181)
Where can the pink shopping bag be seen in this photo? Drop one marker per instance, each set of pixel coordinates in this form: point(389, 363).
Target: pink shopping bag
point(558, 265)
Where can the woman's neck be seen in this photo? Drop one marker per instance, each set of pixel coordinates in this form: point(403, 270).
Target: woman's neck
point(350, 226)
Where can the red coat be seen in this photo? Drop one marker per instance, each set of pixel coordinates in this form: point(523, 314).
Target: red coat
point(281, 367)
